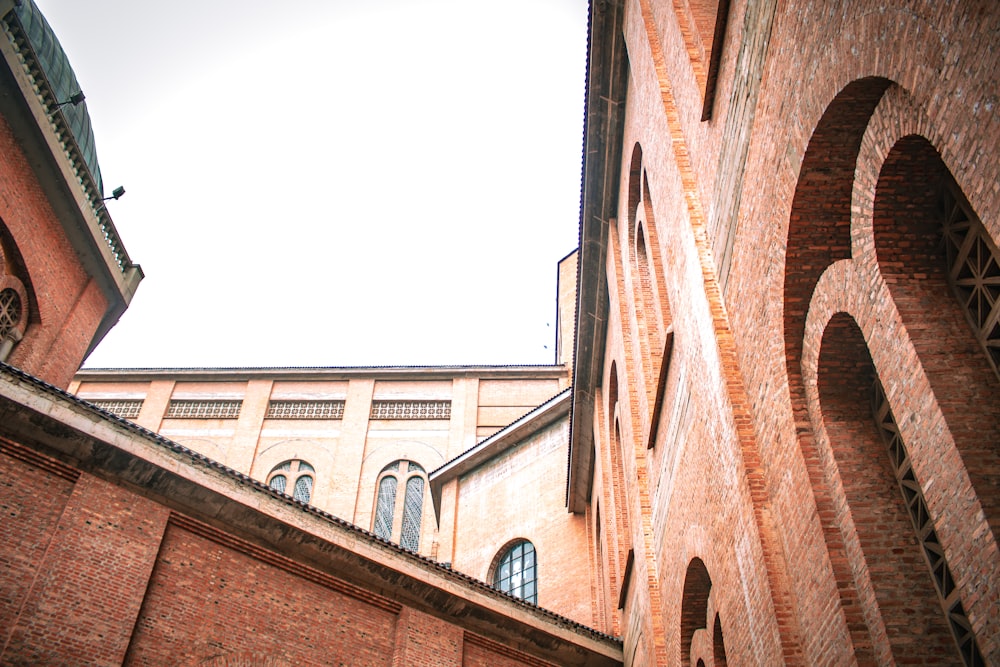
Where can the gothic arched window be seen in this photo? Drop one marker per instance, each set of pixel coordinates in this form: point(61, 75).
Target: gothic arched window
point(297, 470)
point(517, 572)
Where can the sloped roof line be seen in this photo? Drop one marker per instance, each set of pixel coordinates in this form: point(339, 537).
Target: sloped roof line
point(243, 479)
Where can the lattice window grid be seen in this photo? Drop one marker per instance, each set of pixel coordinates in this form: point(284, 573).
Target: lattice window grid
point(384, 507)
point(10, 310)
point(973, 272)
point(913, 498)
point(413, 504)
point(305, 410)
point(194, 409)
point(124, 408)
point(411, 410)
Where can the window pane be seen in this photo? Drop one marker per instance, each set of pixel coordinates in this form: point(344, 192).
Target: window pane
point(278, 483)
point(305, 467)
point(412, 506)
point(384, 507)
point(303, 488)
point(517, 572)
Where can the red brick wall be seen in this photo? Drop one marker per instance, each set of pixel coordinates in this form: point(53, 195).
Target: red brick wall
point(85, 593)
point(95, 574)
point(201, 590)
point(481, 652)
point(753, 470)
point(69, 305)
point(425, 641)
point(31, 502)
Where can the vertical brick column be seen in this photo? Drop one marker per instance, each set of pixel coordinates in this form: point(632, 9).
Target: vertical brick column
point(425, 641)
point(83, 603)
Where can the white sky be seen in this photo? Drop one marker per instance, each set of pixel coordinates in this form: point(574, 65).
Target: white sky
point(335, 182)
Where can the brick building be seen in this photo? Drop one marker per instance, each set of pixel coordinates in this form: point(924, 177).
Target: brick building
point(779, 411)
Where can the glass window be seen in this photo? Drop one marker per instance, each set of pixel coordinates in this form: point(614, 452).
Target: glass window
point(385, 506)
point(397, 516)
point(303, 488)
point(414, 502)
point(278, 483)
point(300, 471)
point(517, 572)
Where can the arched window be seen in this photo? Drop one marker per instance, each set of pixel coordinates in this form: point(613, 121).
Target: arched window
point(412, 506)
point(517, 572)
point(300, 471)
point(401, 524)
point(14, 303)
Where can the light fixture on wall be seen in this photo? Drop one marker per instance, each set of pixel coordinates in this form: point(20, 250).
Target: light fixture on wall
point(75, 99)
point(116, 194)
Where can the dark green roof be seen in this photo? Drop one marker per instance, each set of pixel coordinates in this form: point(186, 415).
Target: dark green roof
point(55, 66)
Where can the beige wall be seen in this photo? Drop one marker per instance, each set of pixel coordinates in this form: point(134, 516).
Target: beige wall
point(347, 453)
point(520, 494)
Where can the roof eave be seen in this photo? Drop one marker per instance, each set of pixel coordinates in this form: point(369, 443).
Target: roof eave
point(541, 417)
point(607, 80)
point(62, 172)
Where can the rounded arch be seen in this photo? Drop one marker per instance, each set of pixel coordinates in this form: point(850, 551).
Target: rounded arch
point(17, 300)
point(642, 256)
point(890, 575)
point(618, 494)
point(317, 453)
point(818, 236)
point(942, 269)
point(399, 503)
point(514, 570)
point(295, 478)
point(694, 605)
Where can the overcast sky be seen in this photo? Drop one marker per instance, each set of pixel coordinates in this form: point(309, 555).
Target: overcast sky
point(335, 183)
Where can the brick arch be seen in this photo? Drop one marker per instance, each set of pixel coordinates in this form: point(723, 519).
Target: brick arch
point(645, 266)
point(718, 643)
point(694, 606)
point(12, 264)
point(618, 486)
point(889, 579)
point(914, 194)
point(819, 235)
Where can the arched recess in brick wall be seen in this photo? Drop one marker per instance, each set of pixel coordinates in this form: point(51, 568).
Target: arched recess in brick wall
point(18, 307)
point(623, 539)
point(701, 629)
point(718, 644)
point(885, 551)
point(819, 234)
point(649, 297)
point(924, 231)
